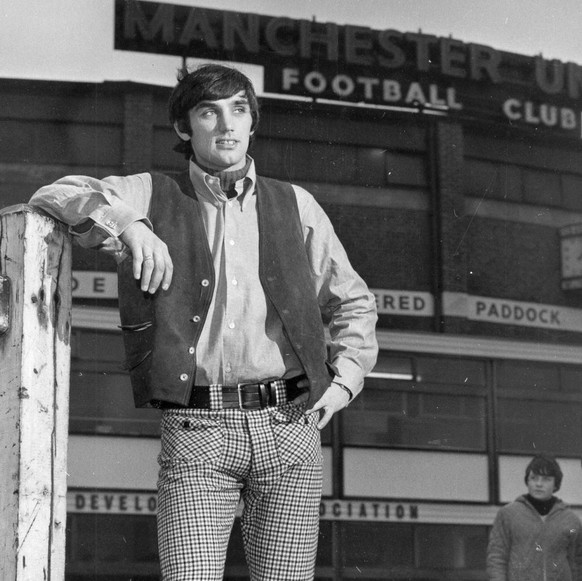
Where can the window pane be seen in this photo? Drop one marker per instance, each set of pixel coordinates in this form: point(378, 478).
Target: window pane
point(368, 545)
point(527, 426)
point(450, 371)
point(389, 417)
point(101, 538)
point(451, 547)
point(92, 345)
point(406, 169)
point(528, 375)
point(103, 403)
point(394, 366)
point(572, 379)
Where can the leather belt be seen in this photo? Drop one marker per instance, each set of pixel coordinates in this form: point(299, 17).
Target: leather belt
point(244, 396)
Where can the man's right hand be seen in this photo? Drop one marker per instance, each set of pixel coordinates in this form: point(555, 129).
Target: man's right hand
point(152, 264)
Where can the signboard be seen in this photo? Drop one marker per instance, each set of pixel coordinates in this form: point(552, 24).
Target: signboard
point(508, 312)
point(94, 284)
point(409, 303)
point(360, 65)
point(145, 503)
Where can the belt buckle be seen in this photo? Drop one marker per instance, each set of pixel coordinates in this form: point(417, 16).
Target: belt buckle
point(239, 387)
point(261, 389)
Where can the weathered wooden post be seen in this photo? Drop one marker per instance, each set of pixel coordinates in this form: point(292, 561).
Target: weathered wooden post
point(35, 321)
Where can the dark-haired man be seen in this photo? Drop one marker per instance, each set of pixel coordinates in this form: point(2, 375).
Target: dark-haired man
point(221, 303)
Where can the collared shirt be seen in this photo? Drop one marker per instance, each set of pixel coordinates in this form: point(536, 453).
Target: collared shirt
point(242, 339)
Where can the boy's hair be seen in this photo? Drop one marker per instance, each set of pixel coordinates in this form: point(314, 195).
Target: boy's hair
point(209, 82)
point(545, 465)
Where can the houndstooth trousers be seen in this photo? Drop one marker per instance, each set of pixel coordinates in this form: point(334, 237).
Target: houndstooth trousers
point(209, 460)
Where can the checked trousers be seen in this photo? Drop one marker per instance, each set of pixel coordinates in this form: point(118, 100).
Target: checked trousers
point(271, 458)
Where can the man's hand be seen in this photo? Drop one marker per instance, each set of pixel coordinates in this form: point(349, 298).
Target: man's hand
point(333, 400)
point(151, 260)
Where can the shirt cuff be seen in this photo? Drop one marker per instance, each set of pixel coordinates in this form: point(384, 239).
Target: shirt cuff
point(113, 220)
point(350, 374)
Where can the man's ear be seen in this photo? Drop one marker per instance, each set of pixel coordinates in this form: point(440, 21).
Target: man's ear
point(181, 134)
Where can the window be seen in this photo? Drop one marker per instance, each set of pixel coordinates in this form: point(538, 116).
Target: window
point(451, 547)
point(405, 551)
point(539, 407)
point(378, 545)
point(104, 547)
point(101, 398)
point(332, 163)
point(441, 405)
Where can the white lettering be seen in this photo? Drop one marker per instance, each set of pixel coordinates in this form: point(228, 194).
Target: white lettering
point(434, 98)
point(290, 78)
point(415, 94)
point(542, 114)
point(369, 89)
point(392, 91)
point(315, 82)
point(516, 314)
point(366, 510)
point(568, 119)
point(415, 304)
point(369, 84)
point(342, 85)
point(529, 114)
point(511, 109)
point(452, 99)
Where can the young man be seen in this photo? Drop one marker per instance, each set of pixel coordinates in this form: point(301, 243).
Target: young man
point(536, 537)
point(221, 302)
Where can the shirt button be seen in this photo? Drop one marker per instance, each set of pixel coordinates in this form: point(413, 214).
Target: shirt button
point(184, 377)
point(234, 281)
point(195, 319)
point(205, 282)
point(191, 350)
point(231, 325)
point(231, 242)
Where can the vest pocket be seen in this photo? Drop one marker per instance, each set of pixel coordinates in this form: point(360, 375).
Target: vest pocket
point(138, 340)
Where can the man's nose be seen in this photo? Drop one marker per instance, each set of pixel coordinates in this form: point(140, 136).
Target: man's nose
point(225, 122)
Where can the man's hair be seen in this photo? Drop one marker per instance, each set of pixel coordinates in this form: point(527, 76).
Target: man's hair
point(209, 82)
point(545, 465)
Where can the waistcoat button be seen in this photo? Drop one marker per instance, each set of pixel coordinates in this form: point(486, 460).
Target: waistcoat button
point(191, 350)
point(205, 282)
point(196, 319)
point(184, 377)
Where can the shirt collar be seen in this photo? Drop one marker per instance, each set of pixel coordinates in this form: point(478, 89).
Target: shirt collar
point(208, 186)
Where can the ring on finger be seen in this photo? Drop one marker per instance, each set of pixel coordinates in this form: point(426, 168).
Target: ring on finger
point(145, 258)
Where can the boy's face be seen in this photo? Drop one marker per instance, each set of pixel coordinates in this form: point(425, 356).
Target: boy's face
point(221, 132)
point(540, 486)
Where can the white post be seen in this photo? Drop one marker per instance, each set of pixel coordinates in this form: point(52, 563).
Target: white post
point(35, 321)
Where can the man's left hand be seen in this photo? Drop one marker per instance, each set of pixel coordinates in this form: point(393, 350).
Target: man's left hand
point(333, 400)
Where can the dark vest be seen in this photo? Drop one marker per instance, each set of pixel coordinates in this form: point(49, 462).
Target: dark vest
point(161, 331)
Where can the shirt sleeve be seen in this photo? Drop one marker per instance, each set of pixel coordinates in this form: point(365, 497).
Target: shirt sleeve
point(107, 206)
point(344, 298)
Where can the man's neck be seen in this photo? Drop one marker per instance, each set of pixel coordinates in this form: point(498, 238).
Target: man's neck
point(228, 178)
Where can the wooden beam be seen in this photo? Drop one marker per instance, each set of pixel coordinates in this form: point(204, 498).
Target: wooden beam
point(35, 270)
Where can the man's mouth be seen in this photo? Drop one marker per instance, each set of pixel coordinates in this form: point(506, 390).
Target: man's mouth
point(226, 141)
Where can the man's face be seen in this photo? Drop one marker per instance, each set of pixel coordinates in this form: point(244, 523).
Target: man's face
point(541, 487)
point(221, 131)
